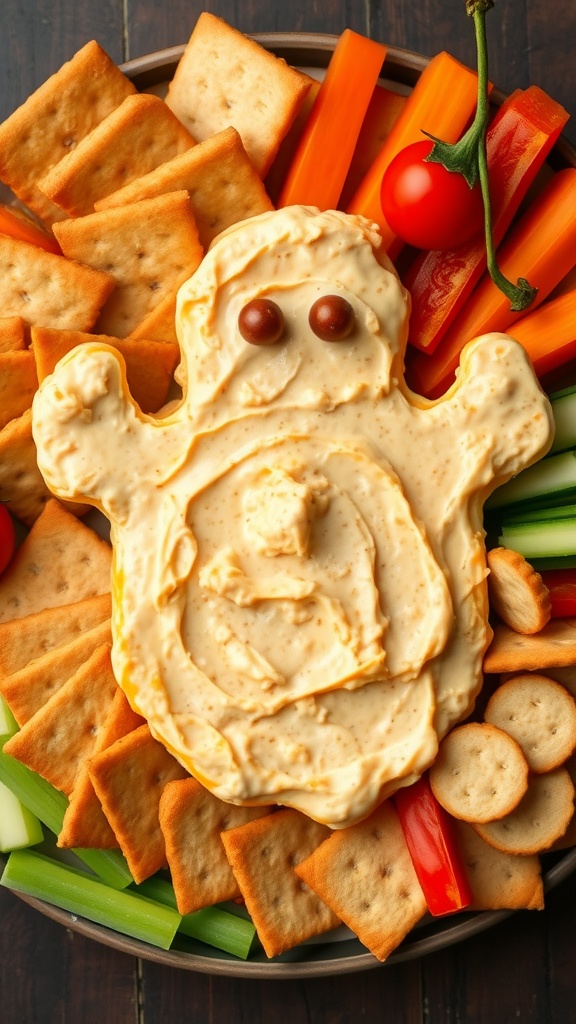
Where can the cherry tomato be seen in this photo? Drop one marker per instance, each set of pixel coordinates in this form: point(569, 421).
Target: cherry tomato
point(426, 205)
point(7, 537)
point(561, 584)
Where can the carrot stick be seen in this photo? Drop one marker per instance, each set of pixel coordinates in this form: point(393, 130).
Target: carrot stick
point(23, 229)
point(383, 111)
point(541, 247)
point(442, 103)
point(549, 333)
point(319, 168)
point(518, 141)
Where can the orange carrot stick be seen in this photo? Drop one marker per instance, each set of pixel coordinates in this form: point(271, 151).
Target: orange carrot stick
point(319, 168)
point(383, 111)
point(442, 103)
point(17, 225)
point(541, 248)
point(549, 333)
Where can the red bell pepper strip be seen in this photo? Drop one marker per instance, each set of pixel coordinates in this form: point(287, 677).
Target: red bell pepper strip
point(433, 849)
point(561, 584)
point(518, 141)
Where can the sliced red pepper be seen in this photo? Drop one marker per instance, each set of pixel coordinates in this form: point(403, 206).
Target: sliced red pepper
point(518, 141)
point(432, 846)
point(561, 584)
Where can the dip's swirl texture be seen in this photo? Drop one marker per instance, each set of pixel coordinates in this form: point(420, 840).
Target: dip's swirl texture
point(299, 566)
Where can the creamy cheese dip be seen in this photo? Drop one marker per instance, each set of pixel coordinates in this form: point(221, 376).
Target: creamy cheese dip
point(299, 568)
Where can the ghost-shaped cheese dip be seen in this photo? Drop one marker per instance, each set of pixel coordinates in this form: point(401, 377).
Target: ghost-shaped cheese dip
point(299, 600)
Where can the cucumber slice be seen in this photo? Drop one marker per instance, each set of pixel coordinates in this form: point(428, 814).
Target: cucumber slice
point(540, 539)
point(553, 479)
point(18, 826)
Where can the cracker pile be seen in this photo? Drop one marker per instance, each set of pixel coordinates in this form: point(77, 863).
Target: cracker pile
point(134, 190)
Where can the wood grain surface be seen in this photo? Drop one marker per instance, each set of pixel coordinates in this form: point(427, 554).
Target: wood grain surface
point(524, 970)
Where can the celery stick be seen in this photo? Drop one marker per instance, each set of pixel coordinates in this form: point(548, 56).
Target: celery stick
point(36, 875)
point(49, 805)
point(214, 926)
point(18, 826)
point(8, 724)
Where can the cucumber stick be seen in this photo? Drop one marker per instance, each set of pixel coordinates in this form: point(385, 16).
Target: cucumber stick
point(18, 826)
point(540, 538)
point(551, 481)
point(564, 412)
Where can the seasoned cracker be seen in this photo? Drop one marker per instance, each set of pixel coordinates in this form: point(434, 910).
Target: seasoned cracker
point(149, 248)
point(12, 334)
point(365, 874)
point(264, 855)
point(149, 365)
point(63, 733)
point(24, 640)
point(480, 773)
point(499, 881)
point(517, 592)
point(65, 108)
point(129, 777)
point(541, 817)
point(18, 383)
point(553, 647)
point(191, 820)
point(133, 139)
point(222, 184)
point(31, 687)
point(541, 716)
point(160, 323)
point(60, 561)
point(224, 78)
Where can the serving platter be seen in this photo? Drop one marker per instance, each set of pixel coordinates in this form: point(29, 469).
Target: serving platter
point(338, 953)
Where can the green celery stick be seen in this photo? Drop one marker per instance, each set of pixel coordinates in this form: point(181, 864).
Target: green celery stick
point(49, 805)
point(36, 875)
point(214, 926)
point(8, 724)
point(18, 826)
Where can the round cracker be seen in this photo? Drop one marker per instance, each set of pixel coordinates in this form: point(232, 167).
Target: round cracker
point(517, 592)
point(480, 773)
point(541, 716)
point(540, 819)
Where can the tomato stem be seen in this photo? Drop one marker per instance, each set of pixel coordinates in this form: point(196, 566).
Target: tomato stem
point(468, 157)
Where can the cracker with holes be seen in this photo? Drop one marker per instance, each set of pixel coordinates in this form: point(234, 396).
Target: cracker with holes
point(480, 773)
point(224, 78)
point(65, 108)
point(553, 647)
point(148, 248)
point(133, 139)
point(128, 778)
point(365, 874)
point(517, 592)
point(12, 334)
point(18, 383)
point(191, 820)
point(541, 716)
point(539, 820)
point(499, 881)
point(149, 365)
point(43, 288)
point(24, 640)
point(222, 184)
point(63, 733)
point(263, 855)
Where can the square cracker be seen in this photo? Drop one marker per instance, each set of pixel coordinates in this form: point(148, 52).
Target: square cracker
point(18, 384)
point(191, 820)
point(63, 733)
point(53, 119)
point(150, 365)
point(43, 288)
point(133, 139)
point(499, 881)
point(160, 323)
point(264, 855)
point(24, 640)
point(224, 78)
point(365, 874)
point(60, 561)
point(553, 647)
point(27, 690)
point(222, 184)
point(129, 777)
point(12, 334)
point(149, 248)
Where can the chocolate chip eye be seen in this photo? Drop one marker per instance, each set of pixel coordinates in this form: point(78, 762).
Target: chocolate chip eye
point(331, 318)
point(261, 322)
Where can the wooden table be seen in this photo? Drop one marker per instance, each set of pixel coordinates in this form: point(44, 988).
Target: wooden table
point(523, 970)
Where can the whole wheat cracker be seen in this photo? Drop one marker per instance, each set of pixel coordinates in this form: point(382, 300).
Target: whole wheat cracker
point(149, 365)
point(263, 855)
point(149, 248)
point(539, 820)
point(28, 689)
point(191, 819)
point(222, 184)
point(553, 647)
point(541, 716)
point(224, 78)
point(133, 139)
point(365, 874)
point(517, 592)
point(24, 640)
point(12, 334)
point(499, 881)
point(18, 383)
point(65, 108)
point(60, 561)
